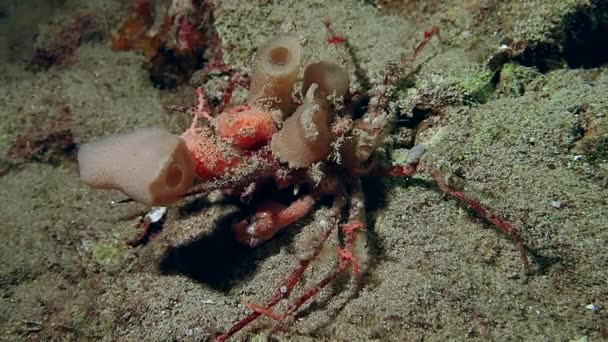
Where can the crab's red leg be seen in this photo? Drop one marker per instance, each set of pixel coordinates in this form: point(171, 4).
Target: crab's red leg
point(293, 278)
point(332, 36)
point(408, 170)
point(496, 220)
point(283, 292)
point(202, 108)
point(346, 254)
point(271, 216)
point(235, 79)
point(347, 259)
point(426, 38)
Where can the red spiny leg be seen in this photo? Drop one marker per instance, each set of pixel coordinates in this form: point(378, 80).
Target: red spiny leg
point(406, 171)
point(347, 259)
point(149, 226)
point(236, 79)
point(346, 255)
point(202, 108)
point(496, 220)
point(292, 278)
point(332, 36)
point(426, 38)
point(269, 218)
point(146, 232)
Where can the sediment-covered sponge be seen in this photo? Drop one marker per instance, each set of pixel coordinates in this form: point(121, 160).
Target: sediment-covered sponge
point(150, 165)
point(331, 78)
point(305, 137)
point(275, 72)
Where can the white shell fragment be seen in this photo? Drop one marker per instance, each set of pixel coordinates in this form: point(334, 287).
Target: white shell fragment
point(593, 308)
point(156, 214)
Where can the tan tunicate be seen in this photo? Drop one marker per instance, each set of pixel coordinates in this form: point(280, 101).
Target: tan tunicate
point(150, 165)
point(358, 148)
point(305, 137)
point(331, 78)
point(275, 72)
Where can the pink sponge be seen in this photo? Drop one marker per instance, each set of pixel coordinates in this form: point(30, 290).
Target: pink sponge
point(150, 165)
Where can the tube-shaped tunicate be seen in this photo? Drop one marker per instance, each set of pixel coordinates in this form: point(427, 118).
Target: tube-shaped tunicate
point(150, 165)
point(305, 137)
point(331, 78)
point(275, 72)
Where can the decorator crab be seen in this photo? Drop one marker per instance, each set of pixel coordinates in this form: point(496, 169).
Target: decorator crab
point(313, 145)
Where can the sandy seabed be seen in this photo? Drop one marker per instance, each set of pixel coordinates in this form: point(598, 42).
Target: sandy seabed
point(527, 136)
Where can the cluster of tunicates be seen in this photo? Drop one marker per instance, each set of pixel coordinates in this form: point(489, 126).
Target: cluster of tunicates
point(155, 167)
point(305, 136)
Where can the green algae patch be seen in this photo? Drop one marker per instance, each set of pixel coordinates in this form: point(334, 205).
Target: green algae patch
point(509, 81)
point(514, 78)
point(478, 87)
point(108, 254)
point(259, 338)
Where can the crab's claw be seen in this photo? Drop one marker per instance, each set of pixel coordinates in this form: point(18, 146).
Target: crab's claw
point(269, 218)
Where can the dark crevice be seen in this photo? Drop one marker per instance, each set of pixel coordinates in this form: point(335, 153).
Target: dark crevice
point(422, 117)
point(544, 56)
point(579, 42)
point(418, 115)
point(586, 32)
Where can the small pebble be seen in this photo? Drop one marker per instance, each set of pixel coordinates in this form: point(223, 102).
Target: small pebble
point(593, 308)
point(514, 275)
